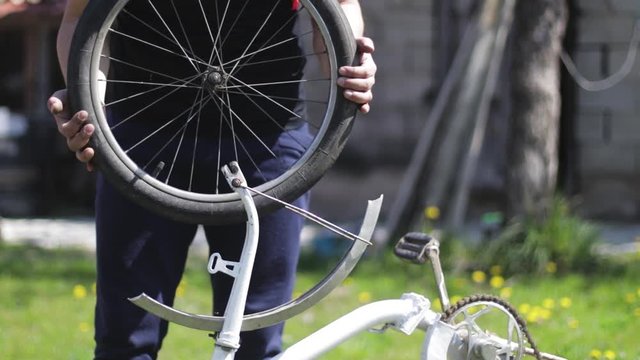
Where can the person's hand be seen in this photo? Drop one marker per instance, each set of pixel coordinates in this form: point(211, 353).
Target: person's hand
point(358, 81)
point(74, 128)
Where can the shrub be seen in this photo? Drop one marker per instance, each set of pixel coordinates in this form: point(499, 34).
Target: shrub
point(560, 242)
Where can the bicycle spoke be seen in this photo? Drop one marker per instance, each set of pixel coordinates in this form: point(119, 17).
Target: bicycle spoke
point(266, 97)
point(262, 62)
point(146, 92)
point(172, 35)
point(234, 114)
point(111, 58)
point(184, 129)
point(235, 21)
point(220, 22)
point(195, 143)
point(262, 49)
point(219, 163)
point(137, 82)
point(301, 81)
point(145, 108)
point(184, 33)
point(159, 33)
point(157, 130)
point(255, 36)
point(283, 26)
point(239, 141)
point(276, 123)
point(156, 46)
point(240, 92)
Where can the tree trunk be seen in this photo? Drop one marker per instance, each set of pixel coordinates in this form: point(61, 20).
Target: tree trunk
point(539, 28)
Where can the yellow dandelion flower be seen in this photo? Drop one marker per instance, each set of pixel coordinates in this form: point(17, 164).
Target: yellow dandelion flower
point(532, 317)
point(79, 292)
point(84, 327)
point(636, 312)
point(524, 308)
point(478, 277)
point(180, 290)
point(506, 292)
point(630, 298)
point(548, 303)
point(565, 302)
point(436, 305)
point(573, 324)
point(551, 267)
point(537, 314)
point(496, 282)
point(364, 297)
point(595, 354)
point(432, 213)
point(348, 281)
point(455, 298)
point(609, 354)
point(496, 270)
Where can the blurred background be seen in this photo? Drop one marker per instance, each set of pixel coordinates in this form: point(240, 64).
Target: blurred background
point(511, 123)
point(424, 52)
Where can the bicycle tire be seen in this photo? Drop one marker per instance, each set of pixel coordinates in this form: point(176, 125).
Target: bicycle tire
point(141, 181)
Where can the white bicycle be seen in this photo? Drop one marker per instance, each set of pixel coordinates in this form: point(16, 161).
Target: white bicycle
point(479, 327)
point(219, 61)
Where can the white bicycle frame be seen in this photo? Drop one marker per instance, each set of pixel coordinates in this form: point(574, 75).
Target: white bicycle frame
point(410, 312)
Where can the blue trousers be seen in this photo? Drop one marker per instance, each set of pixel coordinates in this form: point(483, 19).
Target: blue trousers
point(139, 251)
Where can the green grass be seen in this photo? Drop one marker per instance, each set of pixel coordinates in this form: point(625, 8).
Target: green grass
point(47, 304)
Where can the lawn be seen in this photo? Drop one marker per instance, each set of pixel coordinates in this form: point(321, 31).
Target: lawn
point(48, 296)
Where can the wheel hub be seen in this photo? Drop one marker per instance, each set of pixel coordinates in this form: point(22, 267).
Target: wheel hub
point(215, 80)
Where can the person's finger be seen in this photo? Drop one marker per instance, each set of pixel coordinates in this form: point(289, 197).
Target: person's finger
point(365, 45)
point(364, 108)
point(367, 69)
point(56, 101)
point(85, 155)
point(356, 84)
point(71, 127)
point(81, 138)
point(358, 97)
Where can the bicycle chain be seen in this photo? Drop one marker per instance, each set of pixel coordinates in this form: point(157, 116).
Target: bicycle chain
point(447, 314)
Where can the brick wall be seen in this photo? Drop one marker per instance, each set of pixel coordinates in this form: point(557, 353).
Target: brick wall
point(607, 122)
point(414, 48)
point(402, 30)
point(382, 141)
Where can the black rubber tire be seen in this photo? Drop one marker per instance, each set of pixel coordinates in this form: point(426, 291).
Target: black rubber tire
point(136, 184)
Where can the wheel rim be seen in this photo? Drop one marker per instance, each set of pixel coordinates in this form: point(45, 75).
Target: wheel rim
point(211, 83)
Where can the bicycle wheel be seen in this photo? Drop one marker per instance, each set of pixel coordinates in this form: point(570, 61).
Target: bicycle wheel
point(177, 90)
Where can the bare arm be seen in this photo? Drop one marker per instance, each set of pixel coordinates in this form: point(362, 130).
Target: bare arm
point(358, 80)
point(73, 127)
point(351, 9)
point(72, 12)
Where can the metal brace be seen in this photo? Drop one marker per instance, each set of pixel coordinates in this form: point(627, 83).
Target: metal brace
point(217, 264)
point(421, 306)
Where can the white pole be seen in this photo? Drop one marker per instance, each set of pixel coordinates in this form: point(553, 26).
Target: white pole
point(228, 340)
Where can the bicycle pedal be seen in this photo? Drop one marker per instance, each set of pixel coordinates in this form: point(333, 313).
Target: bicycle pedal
point(413, 247)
